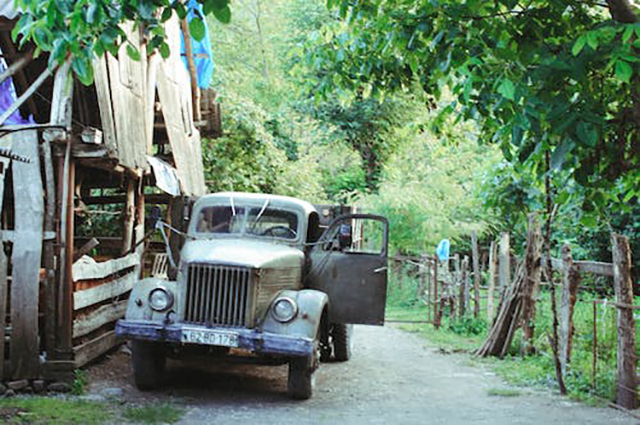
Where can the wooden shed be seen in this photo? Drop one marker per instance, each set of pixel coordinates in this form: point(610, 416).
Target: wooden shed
point(86, 158)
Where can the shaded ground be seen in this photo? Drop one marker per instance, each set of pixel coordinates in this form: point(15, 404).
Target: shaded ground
point(394, 377)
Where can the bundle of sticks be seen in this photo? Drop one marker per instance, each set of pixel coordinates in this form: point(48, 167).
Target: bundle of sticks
point(508, 319)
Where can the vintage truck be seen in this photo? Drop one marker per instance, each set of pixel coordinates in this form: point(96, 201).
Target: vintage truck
point(258, 279)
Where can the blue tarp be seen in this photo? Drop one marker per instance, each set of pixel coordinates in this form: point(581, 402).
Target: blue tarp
point(8, 97)
point(442, 251)
point(201, 49)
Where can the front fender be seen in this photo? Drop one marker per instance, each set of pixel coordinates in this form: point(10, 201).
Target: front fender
point(311, 305)
point(138, 306)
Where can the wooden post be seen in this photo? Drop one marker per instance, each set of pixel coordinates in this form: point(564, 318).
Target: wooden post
point(421, 278)
point(129, 216)
point(49, 251)
point(627, 386)
point(26, 257)
point(191, 65)
point(493, 268)
point(570, 282)
point(69, 248)
point(476, 273)
point(3, 271)
point(532, 263)
point(437, 317)
point(504, 263)
point(465, 284)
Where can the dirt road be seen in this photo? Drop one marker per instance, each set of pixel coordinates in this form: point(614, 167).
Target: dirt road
point(393, 378)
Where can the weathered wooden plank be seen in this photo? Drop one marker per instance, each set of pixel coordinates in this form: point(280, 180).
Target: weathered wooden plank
point(129, 217)
point(101, 76)
point(493, 268)
point(174, 92)
point(93, 349)
point(26, 255)
point(50, 322)
point(98, 318)
point(26, 95)
point(16, 66)
point(504, 263)
point(595, 267)
point(627, 395)
point(62, 98)
point(106, 291)
point(87, 268)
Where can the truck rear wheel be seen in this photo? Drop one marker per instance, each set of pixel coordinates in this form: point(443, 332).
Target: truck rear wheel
point(342, 341)
point(148, 359)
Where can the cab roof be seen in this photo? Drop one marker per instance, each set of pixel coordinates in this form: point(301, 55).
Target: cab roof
point(258, 199)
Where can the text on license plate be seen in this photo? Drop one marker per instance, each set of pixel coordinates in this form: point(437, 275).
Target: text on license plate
point(198, 336)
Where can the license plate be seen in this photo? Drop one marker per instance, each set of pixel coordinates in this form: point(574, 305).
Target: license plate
point(207, 337)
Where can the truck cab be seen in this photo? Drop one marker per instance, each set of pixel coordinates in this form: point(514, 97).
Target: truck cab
point(259, 279)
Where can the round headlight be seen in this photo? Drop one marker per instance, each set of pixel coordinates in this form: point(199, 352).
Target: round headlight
point(284, 309)
point(160, 299)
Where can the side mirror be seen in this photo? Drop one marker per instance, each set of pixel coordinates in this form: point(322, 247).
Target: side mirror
point(345, 238)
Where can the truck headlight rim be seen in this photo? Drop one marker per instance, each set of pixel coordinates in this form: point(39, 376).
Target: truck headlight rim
point(284, 309)
point(160, 299)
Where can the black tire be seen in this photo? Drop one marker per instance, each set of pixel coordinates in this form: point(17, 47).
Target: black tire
point(148, 359)
point(300, 381)
point(342, 343)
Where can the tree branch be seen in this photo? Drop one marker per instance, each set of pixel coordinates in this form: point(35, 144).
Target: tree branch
point(622, 11)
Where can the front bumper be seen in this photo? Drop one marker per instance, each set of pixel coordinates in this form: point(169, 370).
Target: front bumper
point(249, 339)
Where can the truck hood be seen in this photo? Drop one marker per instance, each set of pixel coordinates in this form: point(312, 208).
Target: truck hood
point(241, 252)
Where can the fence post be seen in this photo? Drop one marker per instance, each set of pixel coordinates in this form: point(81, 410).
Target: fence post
point(627, 387)
point(476, 273)
point(436, 318)
point(504, 274)
point(532, 264)
point(493, 265)
point(570, 282)
point(464, 282)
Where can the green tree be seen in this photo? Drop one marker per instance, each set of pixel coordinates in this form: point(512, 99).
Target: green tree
point(537, 77)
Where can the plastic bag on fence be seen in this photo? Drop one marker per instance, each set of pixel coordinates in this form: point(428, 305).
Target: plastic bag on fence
point(442, 251)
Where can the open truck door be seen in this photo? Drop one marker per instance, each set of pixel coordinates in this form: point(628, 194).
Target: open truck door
point(349, 264)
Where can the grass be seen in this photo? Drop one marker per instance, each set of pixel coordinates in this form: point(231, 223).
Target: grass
point(504, 392)
point(62, 411)
point(52, 411)
point(467, 334)
point(154, 414)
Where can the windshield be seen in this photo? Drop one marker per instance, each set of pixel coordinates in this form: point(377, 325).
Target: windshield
point(256, 221)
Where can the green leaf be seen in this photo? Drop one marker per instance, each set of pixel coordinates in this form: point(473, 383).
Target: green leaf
point(223, 15)
point(507, 89)
point(164, 50)
point(83, 70)
point(623, 71)
point(197, 29)
point(628, 32)
point(180, 10)
point(166, 14)
point(133, 52)
point(589, 220)
point(587, 134)
point(577, 47)
point(592, 40)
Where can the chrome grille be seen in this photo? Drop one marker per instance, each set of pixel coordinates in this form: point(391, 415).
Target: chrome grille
point(218, 295)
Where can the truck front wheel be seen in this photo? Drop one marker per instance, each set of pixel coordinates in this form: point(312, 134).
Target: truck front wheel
point(300, 381)
point(148, 360)
point(342, 341)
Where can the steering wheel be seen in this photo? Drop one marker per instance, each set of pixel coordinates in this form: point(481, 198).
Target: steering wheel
point(286, 231)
